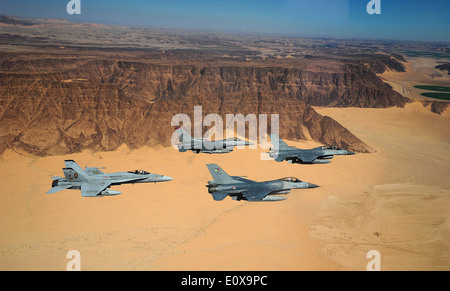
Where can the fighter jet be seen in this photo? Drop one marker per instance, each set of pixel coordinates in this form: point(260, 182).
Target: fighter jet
point(319, 155)
point(240, 188)
point(202, 145)
point(94, 183)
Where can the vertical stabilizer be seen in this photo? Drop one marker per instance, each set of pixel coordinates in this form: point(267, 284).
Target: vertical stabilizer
point(73, 172)
point(278, 143)
point(219, 175)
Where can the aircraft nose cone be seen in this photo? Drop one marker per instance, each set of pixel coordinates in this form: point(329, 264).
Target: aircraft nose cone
point(350, 153)
point(311, 185)
point(166, 178)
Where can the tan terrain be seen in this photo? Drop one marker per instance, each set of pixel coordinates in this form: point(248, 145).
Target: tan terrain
point(395, 200)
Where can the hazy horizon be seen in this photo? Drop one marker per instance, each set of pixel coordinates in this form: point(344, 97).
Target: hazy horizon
point(344, 19)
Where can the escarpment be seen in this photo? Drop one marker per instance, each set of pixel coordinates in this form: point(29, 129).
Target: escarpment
point(62, 105)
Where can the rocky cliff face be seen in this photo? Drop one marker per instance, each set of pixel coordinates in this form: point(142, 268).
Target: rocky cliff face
point(352, 85)
point(61, 105)
point(437, 107)
point(339, 85)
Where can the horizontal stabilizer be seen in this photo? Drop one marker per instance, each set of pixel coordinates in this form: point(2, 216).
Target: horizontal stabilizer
point(56, 178)
point(279, 158)
point(58, 188)
point(219, 196)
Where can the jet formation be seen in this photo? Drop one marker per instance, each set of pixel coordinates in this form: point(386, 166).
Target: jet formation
point(94, 183)
point(239, 188)
point(319, 155)
point(203, 145)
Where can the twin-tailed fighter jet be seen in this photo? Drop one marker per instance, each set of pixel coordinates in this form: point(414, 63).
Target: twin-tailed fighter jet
point(319, 155)
point(239, 188)
point(203, 145)
point(94, 183)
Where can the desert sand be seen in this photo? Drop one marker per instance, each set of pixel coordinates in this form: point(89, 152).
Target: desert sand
point(396, 201)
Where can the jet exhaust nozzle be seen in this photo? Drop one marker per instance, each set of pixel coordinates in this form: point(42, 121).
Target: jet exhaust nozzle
point(212, 189)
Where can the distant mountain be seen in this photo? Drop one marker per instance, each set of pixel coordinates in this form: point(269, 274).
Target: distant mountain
point(15, 20)
point(444, 67)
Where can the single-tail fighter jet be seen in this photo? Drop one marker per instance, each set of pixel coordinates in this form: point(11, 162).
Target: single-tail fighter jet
point(94, 183)
point(319, 155)
point(203, 145)
point(240, 188)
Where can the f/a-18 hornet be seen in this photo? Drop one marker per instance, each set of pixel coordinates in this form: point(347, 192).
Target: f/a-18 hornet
point(319, 155)
point(240, 188)
point(203, 145)
point(94, 183)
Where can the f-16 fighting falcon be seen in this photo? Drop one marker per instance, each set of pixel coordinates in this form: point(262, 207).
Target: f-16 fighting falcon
point(240, 188)
point(319, 155)
point(202, 145)
point(94, 183)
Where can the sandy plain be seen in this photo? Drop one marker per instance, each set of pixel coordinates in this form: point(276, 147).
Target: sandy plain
point(396, 201)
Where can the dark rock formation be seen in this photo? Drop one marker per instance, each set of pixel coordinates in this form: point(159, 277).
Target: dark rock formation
point(437, 107)
point(444, 67)
point(61, 105)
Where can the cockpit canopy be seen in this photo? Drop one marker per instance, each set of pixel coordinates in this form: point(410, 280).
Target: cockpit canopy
point(139, 172)
point(334, 148)
point(290, 180)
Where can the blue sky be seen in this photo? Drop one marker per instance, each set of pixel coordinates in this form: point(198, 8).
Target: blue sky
point(399, 19)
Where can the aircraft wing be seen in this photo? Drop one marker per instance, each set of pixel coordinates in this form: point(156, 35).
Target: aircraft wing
point(92, 189)
point(307, 157)
point(304, 156)
point(255, 195)
point(191, 145)
point(240, 178)
point(93, 171)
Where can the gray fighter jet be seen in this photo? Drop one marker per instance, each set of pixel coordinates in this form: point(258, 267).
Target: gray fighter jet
point(94, 183)
point(202, 145)
point(240, 188)
point(319, 155)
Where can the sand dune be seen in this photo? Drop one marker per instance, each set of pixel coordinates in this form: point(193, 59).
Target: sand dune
point(395, 200)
